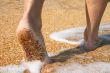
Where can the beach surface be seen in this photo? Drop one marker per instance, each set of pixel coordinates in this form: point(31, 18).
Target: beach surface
point(57, 15)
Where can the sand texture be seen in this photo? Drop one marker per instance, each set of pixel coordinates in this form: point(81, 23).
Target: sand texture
point(57, 15)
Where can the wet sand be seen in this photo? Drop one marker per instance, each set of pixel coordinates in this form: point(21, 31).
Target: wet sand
point(57, 15)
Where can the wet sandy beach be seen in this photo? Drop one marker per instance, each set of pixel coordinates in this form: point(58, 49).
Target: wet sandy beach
point(57, 15)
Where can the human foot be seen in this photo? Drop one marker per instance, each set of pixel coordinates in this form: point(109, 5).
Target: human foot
point(91, 45)
point(32, 45)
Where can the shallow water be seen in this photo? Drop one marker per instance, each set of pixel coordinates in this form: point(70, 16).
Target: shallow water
point(97, 67)
point(75, 35)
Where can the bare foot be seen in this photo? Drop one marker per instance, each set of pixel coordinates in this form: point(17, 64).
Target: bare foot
point(93, 44)
point(32, 46)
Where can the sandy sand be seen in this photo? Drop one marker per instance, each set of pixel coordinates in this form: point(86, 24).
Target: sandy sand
point(57, 15)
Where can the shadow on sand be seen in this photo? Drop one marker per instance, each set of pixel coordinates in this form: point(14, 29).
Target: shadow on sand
point(65, 55)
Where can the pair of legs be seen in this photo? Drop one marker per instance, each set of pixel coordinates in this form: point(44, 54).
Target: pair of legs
point(29, 29)
point(94, 13)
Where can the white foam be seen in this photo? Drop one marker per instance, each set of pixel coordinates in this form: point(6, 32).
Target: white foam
point(75, 32)
point(98, 67)
point(60, 36)
point(33, 67)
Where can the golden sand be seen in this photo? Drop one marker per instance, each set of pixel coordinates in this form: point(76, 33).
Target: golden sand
point(57, 15)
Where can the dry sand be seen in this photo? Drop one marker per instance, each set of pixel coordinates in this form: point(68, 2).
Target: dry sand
point(57, 15)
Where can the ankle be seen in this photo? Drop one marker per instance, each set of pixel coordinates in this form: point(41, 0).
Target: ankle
point(31, 18)
point(31, 24)
point(86, 34)
point(97, 39)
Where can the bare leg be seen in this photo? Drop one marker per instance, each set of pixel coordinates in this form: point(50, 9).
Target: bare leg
point(94, 13)
point(29, 31)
